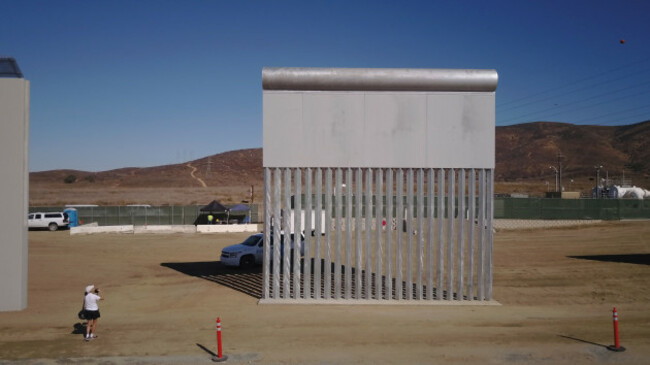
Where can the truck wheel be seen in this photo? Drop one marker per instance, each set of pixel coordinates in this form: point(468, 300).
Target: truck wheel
point(247, 262)
point(53, 227)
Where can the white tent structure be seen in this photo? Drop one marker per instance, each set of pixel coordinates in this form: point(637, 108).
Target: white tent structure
point(632, 192)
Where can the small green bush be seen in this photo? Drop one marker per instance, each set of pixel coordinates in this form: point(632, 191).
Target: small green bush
point(70, 179)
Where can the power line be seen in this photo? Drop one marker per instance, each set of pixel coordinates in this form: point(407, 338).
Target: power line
point(606, 72)
point(586, 87)
point(621, 112)
point(589, 100)
point(593, 97)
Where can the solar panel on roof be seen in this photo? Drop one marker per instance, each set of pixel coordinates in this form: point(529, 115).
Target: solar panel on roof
point(9, 68)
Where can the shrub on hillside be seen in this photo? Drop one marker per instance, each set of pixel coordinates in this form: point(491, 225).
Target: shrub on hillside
point(70, 179)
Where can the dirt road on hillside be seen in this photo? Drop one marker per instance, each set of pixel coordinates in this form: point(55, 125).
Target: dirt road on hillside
point(557, 288)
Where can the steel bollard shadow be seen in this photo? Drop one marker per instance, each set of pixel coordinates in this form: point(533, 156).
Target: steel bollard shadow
point(639, 259)
point(250, 281)
point(247, 281)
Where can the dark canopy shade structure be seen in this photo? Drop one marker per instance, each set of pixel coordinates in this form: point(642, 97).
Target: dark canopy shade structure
point(214, 206)
point(238, 211)
point(239, 208)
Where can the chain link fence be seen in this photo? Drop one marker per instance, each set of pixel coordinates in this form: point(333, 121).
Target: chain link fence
point(571, 209)
point(150, 215)
point(504, 208)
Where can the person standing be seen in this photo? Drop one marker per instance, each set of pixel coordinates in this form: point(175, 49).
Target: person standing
point(91, 309)
point(210, 217)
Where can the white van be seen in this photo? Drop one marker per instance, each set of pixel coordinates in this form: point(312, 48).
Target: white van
point(49, 220)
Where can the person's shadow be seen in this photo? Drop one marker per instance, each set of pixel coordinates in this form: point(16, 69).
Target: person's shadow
point(79, 329)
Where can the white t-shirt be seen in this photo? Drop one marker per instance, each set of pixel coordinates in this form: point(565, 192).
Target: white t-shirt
point(90, 302)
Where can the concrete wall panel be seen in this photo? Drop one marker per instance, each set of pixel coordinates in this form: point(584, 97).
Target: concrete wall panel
point(378, 129)
point(14, 124)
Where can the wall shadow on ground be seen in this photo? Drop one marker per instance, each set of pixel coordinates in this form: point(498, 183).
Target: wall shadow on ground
point(250, 281)
point(640, 258)
point(247, 281)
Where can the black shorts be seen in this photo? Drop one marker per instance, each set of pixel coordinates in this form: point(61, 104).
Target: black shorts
point(92, 314)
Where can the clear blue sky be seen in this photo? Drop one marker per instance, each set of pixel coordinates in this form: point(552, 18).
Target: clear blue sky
point(145, 83)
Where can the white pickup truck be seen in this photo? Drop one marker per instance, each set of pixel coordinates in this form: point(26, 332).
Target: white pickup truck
point(251, 251)
point(50, 220)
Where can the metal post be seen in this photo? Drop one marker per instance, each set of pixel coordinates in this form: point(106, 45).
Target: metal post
point(348, 233)
point(481, 235)
point(451, 185)
point(298, 213)
point(389, 234)
point(420, 235)
point(328, 234)
point(275, 230)
point(309, 215)
point(368, 220)
point(441, 234)
point(358, 284)
point(430, 232)
point(460, 240)
point(400, 223)
point(488, 231)
point(338, 208)
point(268, 212)
point(378, 244)
point(409, 234)
point(286, 224)
point(319, 231)
point(472, 229)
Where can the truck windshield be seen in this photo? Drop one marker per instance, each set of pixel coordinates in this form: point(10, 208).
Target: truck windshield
point(251, 241)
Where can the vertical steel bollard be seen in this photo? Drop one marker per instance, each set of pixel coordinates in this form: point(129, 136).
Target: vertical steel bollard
point(617, 346)
point(220, 357)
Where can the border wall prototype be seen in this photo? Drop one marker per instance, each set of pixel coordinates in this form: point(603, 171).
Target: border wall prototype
point(14, 148)
point(392, 171)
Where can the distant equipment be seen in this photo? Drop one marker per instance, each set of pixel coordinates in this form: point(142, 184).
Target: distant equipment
point(620, 192)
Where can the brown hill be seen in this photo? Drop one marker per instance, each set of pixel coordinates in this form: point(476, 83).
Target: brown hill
point(235, 167)
point(227, 176)
point(524, 153)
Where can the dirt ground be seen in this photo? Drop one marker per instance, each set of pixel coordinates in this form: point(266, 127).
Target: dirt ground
point(556, 287)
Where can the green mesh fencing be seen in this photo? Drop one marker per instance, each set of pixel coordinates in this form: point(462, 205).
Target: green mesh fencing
point(504, 208)
point(141, 215)
point(550, 209)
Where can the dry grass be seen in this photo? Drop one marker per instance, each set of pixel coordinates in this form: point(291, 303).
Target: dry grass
point(41, 194)
point(557, 288)
point(55, 196)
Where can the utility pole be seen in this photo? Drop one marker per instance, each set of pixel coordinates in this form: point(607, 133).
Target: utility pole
point(598, 167)
point(556, 176)
point(560, 157)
